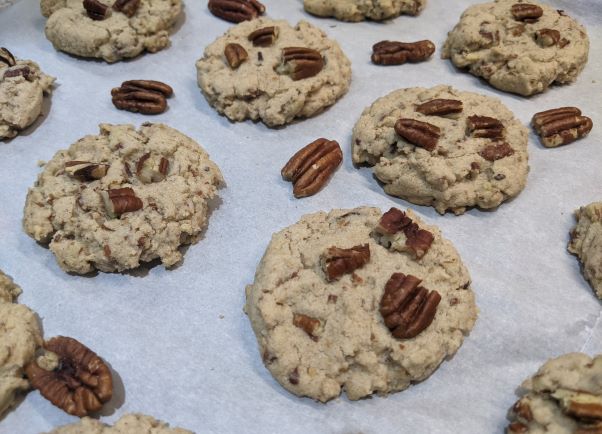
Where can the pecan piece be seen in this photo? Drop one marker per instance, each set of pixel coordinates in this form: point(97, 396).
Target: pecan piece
point(311, 168)
point(484, 127)
point(336, 262)
point(300, 62)
point(23, 71)
point(496, 151)
point(306, 323)
point(398, 53)
point(235, 55)
point(81, 382)
point(440, 107)
point(96, 10)
point(418, 241)
point(7, 57)
point(236, 11)
point(526, 12)
point(561, 126)
point(121, 200)
point(407, 308)
point(418, 133)
point(547, 37)
point(579, 405)
point(264, 37)
point(152, 168)
point(128, 7)
point(517, 428)
point(86, 171)
point(523, 410)
point(142, 96)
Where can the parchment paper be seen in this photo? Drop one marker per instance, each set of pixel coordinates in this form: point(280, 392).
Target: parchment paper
point(178, 339)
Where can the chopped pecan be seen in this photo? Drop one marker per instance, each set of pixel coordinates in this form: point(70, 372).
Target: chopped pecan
point(418, 133)
point(563, 42)
point(310, 168)
point(264, 37)
point(406, 307)
point(496, 151)
point(590, 428)
point(236, 11)
point(81, 382)
point(23, 71)
point(398, 53)
point(128, 7)
point(7, 57)
point(96, 10)
point(517, 30)
point(306, 323)
point(489, 32)
point(579, 405)
point(547, 37)
point(86, 171)
point(235, 55)
point(120, 200)
point(418, 241)
point(440, 107)
point(523, 410)
point(517, 428)
point(484, 127)
point(293, 377)
point(300, 62)
point(561, 126)
point(142, 96)
point(526, 12)
point(152, 168)
point(336, 262)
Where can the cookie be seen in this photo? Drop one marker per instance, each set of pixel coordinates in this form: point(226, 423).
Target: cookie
point(358, 10)
point(128, 424)
point(9, 290)
point(564, 397)
point(114, 37)
point(276, 76)
point(517, 46)
point(586, 243)
point(320, 305)
point(23, 86)
point(125, 196)
point(443, 147)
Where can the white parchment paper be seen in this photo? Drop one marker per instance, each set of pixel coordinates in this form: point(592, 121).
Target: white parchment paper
point(178, 339)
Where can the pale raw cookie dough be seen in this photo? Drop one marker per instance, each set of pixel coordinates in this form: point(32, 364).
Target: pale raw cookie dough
point(21, 97)
point(71, 216)
point(586, 243)
point(358, 10)
point(490, 43)
point(354, 349)
point(573, 376)
point(453, 176)
point(134, 423)
point(256, 91)
point(115, 38)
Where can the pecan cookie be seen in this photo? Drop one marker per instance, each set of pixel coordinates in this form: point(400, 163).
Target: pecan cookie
point(586, 243)
point(443, 148)
point(564, 397)
point(23, 86)
point(134, 423)
point(518, 46)
point(113, 30)
point(358, 300)
point(122, 197)
point(270, 71)
point(358, 10)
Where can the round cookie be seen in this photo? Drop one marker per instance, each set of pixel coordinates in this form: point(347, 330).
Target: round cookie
point(319, 333)
point(462, 170)
point(262, 86)
point(122, 197)
point(564, 397)
point(22, 89)
point(518, 55)
point(586, 243)
point(128, 424)
point(358, 10)
point(114, 38)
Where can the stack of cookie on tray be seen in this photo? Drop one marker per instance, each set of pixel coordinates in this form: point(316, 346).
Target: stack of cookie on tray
point(358, 300)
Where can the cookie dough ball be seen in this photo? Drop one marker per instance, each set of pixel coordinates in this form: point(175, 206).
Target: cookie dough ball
point(564, 397)
point(23, 86)
point(516, 52)
point(586, 243)
point(127, 424)
point(266, 84)
point(125, 196)
point(318, 317)
point(479, 158)
point(358, 10)
point(114, 38)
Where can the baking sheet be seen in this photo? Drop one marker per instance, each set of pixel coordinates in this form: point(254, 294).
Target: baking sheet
point(178, 339)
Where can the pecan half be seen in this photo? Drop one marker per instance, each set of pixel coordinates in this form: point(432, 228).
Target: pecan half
point(142, 96)
point(336, 262)
point(7, 57)
point(398, 53)
point(418, 133)
point(264, 37)
point(235, 55)
point(484, 127)
point(561, 126)
point(526, 12)
point(86, 171)
point(120, 200)
point(496, 151)
point(579, 405)
point(311, 168)
point(152, 168)
point(300, 62)
point(440, 107)
point(306, 323)
point(547, 37)
point(128, 7)
point(418, 241)
point(236, 11)
point(407, 308)
point(81, 382)
point(96, 10)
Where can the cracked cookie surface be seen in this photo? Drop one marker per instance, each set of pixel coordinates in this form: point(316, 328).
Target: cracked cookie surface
point(256, 90)
point(128, 424)
point(117, 37)
point(491, 43)
point(586, 243)
point(358, 10)
point(455, 175)
point(69, 213)
point(351, 348)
